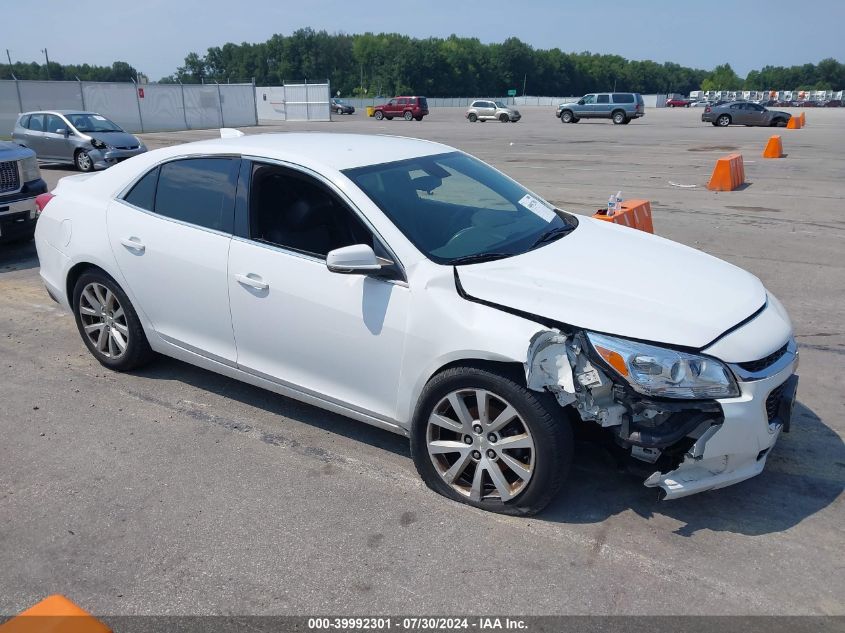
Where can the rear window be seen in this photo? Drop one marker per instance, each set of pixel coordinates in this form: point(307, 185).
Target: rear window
point(24, 122)
point(143, 194)
point(423, 102)
point(623, 97)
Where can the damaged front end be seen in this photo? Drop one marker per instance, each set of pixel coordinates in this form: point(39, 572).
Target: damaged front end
point(667, 434)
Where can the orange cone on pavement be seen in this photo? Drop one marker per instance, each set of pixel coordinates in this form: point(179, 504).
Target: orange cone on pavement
point(54, 614)
point(729, 173)
point(774, 148)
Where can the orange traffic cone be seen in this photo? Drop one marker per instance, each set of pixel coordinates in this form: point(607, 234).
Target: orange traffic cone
point(774, 148)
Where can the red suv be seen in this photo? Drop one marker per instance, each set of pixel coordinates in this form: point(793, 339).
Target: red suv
point(678, 103)
point(406, 107)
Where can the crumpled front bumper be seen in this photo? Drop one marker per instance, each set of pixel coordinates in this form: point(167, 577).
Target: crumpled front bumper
point(738, 448)
point(104, 158)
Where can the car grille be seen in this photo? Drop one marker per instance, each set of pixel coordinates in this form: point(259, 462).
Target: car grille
point(773, 402)
point(128, 147)
point(9, 177)
point(759, 365)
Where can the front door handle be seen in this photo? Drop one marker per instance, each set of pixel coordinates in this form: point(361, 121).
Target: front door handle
point(253, 281)
point(133, 243)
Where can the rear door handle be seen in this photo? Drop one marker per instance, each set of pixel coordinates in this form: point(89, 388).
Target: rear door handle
point(253, 281)
point(134, 244)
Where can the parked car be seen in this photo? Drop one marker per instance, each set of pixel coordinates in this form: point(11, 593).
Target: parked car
point(678, 103)
point(406, 107)
point(621, 107)
point(411, 286)
point(339, 106)
point(20, 184)
point(85, 139)
point(701, 104)
point(833, 103)
point(785, 103)
point(483, 110)
point(744, 113)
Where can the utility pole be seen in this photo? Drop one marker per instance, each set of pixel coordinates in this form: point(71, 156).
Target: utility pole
point(524, 81)
point(9, 57)
point(44, 50)
point(362, 81)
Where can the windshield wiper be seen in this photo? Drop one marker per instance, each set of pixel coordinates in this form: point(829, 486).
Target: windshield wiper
point(478, 258)
point(551, 235)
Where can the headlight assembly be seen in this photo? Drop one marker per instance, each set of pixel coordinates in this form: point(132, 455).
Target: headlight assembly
point(98, 144)
point(663, 372)
point(29, 169)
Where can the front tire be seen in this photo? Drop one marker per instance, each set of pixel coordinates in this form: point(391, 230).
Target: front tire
point(482, 438)
point(473, 117)
point(504, 118)
point(108, 324)
point(83, 161)
point(566, 117)
point(379, 115)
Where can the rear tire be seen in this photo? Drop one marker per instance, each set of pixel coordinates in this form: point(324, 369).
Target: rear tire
point(723, 121)
point(528, 478)
point(108, 323)
point(618, 117)
point(408, 116)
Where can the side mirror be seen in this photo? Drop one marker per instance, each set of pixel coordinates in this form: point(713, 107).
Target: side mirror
point(357, 259)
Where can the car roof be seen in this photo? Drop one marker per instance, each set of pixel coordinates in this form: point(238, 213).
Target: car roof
point(324, 152)
point(63, 112)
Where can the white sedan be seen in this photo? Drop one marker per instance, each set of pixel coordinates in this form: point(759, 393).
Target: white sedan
point(410, 286)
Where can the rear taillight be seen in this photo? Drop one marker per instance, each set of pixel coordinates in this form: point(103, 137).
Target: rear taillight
point(707, 108)
point(42, 200)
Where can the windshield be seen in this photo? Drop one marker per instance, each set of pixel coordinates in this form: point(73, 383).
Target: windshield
point(92, 123)
point(454, 208)
point(499, 104)
point(339, 101)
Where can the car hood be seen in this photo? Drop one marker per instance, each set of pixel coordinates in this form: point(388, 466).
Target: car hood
point(115, 139)
point(12, 151)
point(622, 281)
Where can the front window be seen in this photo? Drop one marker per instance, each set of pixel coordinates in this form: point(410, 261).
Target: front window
point(92, 123)
point(589, 99)
point(499, 104)
point(456, 209)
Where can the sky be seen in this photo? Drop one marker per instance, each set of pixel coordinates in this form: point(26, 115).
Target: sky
point(154, 36)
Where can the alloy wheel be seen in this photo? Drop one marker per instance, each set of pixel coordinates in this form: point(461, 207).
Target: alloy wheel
point(104, 320)
point(480, 445)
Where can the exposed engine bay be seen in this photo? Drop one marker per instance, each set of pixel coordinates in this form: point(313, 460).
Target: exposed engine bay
point(661, 432)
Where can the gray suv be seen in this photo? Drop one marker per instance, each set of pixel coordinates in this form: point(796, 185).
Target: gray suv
point(620, 107)
point(483, 110)
point(20, 183)
point(86, 140)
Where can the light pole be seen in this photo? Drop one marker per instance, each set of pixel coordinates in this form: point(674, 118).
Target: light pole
point(44, 50)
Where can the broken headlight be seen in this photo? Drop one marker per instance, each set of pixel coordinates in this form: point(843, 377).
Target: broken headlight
point(664, 372)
